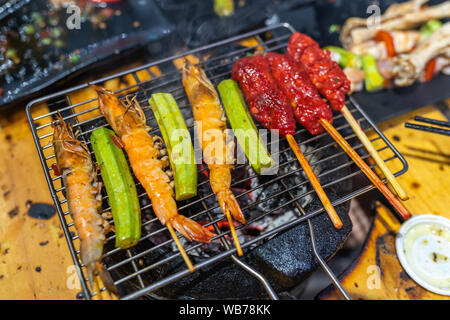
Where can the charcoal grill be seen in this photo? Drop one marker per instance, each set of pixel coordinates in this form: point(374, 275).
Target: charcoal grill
point(218, 67)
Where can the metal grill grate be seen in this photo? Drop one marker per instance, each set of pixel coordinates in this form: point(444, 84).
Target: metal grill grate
point(85, 118)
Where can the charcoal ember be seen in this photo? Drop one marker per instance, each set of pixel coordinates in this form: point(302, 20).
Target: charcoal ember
point(290, 165)
point(241, 173)
point(269, 203)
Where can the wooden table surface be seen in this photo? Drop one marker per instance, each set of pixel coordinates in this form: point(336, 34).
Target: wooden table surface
point(377, 273)
point(34, 259)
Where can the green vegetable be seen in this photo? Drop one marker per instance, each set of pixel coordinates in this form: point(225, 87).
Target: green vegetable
point(178, 142)
point(334, 28)
point(345, 58)
point(373, 80)
point(46, 41)
point(430, 27)
point(11, 53)
point(119, 186)
point(59, 43)
point(53, 22)
point(243, 126)
point(56, 32)
point(74, 59)
point(224, 8)
point(29, 29)
point(37, 17)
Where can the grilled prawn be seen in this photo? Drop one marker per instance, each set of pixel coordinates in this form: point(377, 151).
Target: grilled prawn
point(83, 197)
point(129, 124)
point(211, 125)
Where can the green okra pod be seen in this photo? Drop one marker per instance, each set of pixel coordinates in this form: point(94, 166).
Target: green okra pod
point(120, 187)
point(243, 126)
point(178, 142)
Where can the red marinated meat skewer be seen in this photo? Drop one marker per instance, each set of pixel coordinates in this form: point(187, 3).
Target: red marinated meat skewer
point(323, 72)
point(333, 84)
point(293, 80)
point(267, 103)
point(331, 81)
point(272, 108)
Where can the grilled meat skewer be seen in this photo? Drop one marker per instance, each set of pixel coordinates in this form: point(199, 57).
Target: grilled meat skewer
point(293, 80)
point(394, 11)
point(267, 104)
point(409, 20)
point(272, 108)
point(404, 42)
point(333, 84)
point(324, 73)
point(409, 67)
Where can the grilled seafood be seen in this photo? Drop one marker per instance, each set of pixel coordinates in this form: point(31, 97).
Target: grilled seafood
point(128, 121)
point(211, 125)
point(403, 47)
point(83, 197)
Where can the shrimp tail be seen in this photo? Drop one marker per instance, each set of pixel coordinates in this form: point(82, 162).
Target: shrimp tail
point(96, 268)
point(227, 200)
point(107, 279)
point(190, 229)
point(91, 252)
point(91, 271)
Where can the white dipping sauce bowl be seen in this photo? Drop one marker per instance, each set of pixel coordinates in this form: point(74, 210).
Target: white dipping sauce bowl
point(423, 248)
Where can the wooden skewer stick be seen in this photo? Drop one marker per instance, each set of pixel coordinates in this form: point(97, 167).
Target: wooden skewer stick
point(233, 233)
point(374, 154)
point(366, 169)
point(315, 182)
point(180, 247)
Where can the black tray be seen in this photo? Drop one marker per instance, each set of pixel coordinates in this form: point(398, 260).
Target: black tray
point(139, 22)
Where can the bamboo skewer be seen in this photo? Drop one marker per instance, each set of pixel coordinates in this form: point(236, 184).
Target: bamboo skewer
point(374, 154)
point(233, 233)
point(180, 247)
point(315, 182)
point(366, 169)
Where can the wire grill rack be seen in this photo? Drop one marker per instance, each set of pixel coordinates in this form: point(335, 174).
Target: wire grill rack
point(85, 117)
